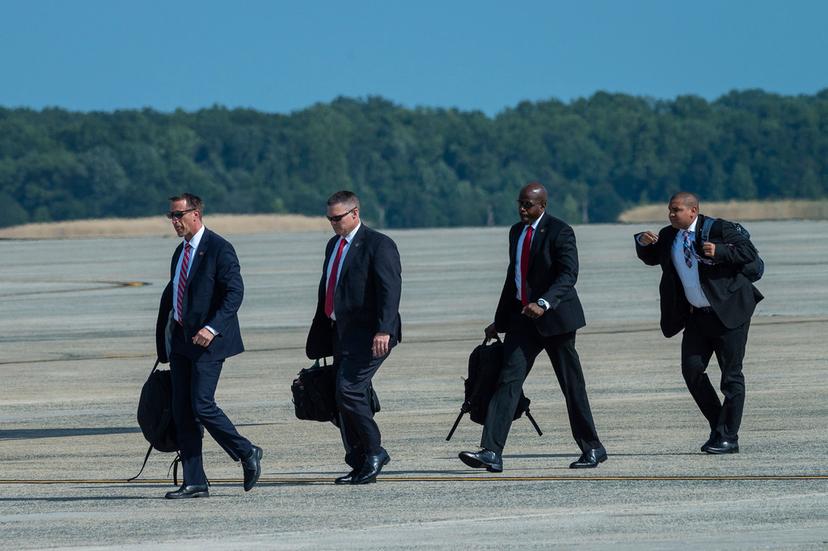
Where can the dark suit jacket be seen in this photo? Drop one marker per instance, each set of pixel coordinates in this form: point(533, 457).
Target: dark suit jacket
point(730, 293)
point(553, 271)
point(212, 297)
point(367, 298)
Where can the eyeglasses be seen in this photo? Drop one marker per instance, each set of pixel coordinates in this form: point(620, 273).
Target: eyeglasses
point(526, 204)
point(178, 214)
point(339, 217)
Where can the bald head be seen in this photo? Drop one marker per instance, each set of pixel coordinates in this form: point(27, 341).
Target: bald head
point(534, 191)
point(686, 198)
point(531, 202)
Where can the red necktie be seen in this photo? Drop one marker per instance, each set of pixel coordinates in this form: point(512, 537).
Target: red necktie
point(524, 265)
point(182, 281)
point(329, 294)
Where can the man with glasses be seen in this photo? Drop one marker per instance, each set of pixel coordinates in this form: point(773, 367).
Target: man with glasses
point(538, 310)
point(197, 329)
point(357, 321)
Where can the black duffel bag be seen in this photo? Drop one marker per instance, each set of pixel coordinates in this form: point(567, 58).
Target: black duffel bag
point(314, 393)
point(485, 365)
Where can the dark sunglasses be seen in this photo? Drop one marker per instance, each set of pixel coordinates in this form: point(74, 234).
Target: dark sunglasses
point(526, 204)
point(339, 217)
point(178, 214)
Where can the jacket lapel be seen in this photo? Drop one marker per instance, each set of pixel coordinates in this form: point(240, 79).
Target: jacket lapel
point(353, 249)
point(199, 254)
point(537, 239)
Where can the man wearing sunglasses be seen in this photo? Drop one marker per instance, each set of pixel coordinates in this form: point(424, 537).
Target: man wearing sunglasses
point(197, 330)
point(538, 310)
point(357, 321)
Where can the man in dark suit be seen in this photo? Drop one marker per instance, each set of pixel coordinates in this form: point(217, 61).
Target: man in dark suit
point(704, 291)
point(538, 310)
point(197, 329)
point(357, 321)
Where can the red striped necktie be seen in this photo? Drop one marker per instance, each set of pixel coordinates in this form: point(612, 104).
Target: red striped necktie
point(331, 290)
point(182, 281)
point(524, 265)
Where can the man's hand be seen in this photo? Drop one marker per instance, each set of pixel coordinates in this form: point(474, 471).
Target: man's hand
point(533, 310)
point(380, 347)
point(203, 338)
point(647, 238)
point(709, 249)
point(490, 332)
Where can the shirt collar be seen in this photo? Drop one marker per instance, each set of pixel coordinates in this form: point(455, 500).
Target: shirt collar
point(536, 222)
point(692, 227)
point(196, 238)
point(350, 236)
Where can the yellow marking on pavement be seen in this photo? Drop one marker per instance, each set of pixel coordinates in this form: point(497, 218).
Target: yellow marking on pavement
point(458, 478)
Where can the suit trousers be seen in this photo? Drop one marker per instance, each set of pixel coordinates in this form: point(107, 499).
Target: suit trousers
point(522, 345)
point(360, 433)
point(703, 336)
point(194, 385)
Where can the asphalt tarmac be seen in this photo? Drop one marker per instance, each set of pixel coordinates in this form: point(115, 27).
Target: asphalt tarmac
point(76, 343)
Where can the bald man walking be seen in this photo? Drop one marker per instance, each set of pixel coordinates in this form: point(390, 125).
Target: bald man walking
point(538, 310)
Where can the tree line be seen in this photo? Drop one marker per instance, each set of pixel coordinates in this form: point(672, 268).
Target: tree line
point(414, 167)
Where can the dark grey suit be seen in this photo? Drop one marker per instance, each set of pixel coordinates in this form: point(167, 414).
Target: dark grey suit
point(366, 302)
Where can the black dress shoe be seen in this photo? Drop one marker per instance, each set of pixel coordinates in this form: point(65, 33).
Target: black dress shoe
point(252, 468)
point(714, 435)
point(723, 445)
point(196, 490)
point(346, 479)
point(590, 459)
point(484, 459)
point(371, 468)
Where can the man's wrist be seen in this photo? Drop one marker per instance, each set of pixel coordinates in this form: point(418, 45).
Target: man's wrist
point(211, 330)
point(543, 304)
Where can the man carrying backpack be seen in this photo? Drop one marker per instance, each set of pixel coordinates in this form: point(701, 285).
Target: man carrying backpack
point(199, 313)
point(707, 270)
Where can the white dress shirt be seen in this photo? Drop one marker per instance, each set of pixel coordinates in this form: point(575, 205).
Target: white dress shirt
point(689, 275)
point(348, 238)
point(194, 242)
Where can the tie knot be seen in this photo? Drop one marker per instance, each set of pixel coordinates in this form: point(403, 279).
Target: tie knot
point(187, 246)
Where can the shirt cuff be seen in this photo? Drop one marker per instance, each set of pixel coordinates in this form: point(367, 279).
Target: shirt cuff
point(543, 304)
point(211, 330)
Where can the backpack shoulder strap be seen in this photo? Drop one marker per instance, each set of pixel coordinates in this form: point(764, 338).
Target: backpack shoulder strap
point(706, 227)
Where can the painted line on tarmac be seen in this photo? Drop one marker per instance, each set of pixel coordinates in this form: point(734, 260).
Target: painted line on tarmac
point(458, 478)
point(115, 356)
point(104, 285)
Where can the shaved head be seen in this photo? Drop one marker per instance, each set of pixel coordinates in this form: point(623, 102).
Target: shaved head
point(686, 198)
point(534, 191)
point(531, 202)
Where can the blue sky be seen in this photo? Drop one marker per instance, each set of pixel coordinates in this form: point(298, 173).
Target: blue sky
point(280, 56)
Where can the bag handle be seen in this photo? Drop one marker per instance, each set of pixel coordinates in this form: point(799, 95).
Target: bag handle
point(486, 340)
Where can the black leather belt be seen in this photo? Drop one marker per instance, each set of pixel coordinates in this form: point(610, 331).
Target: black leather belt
point(702, 310)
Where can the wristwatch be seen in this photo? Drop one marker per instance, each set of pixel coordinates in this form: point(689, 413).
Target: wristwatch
point(543, 304)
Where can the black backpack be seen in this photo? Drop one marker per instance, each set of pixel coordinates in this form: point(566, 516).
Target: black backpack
point(485, 365)
point(155, 417)
point(314, 393)
point(752, 270)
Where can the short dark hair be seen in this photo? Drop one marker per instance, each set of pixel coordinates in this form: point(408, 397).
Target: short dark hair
point(193, 201)
point(687, 199)
point(343, 196)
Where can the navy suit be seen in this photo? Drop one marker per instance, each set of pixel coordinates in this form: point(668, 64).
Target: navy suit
point(722, 331)
point(552, 273)
point(366, 302)
point(212, 297)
